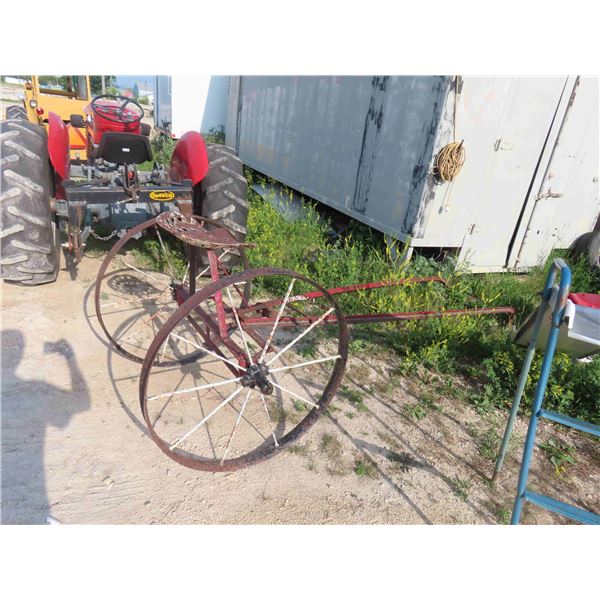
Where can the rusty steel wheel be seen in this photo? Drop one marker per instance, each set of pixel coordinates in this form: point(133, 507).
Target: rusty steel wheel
point(140, 284)
point(265, 370)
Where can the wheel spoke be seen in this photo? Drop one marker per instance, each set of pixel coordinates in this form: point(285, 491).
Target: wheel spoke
point(279, 313)
point(269, 417)
point(128, 301)
point(304, 364)
point(237, 421)
point(299, 337)
point(162, 355)
point(206, 418)
point(143, 273)
point(205, 386)
point(293, 394)
point(199, 347)
point(237, 320)
point(144, 324)
point(218, 258)
point(167, 254)
point(234, 422)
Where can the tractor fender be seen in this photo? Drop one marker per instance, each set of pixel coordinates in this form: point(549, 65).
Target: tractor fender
point(58, 145)
point(189, 160)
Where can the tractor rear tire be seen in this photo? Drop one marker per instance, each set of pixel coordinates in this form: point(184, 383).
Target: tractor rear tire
point(588, 247)
point(29, 239)
point(16, 112)
point(222, 194)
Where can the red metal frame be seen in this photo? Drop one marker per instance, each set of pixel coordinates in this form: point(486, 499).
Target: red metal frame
point(58, 145)
point(218, 327)
point(189, 160)
point(101, 125)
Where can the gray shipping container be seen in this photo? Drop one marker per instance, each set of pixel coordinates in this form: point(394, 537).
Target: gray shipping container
point(366, 147)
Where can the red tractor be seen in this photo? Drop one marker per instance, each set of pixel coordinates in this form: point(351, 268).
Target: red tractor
point(44, 194)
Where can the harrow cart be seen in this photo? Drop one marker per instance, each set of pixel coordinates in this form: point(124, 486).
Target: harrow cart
point(236, 362)
point(230, 372)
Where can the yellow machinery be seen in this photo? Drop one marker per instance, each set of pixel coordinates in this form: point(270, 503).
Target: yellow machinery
point(64, 95)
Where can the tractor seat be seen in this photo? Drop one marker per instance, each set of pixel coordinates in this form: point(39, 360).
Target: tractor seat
point(124, 148)
point(191, 230)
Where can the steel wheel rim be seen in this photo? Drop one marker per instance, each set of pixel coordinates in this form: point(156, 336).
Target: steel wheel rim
point(258, 454)
point(103, 275)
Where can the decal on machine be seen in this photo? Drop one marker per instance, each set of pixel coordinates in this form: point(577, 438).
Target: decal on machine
point(162, 195)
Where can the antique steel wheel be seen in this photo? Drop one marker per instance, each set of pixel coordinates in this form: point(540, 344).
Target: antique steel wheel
point(136, 292)
point(268, 364)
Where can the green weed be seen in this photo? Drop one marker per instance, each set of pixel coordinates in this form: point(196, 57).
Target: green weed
point(461, 487)
point(354, 397)
point(365, 468)
point(489, 443)
point(416, 411)
point(479, 348)
point(332, 448)
point(560, 454)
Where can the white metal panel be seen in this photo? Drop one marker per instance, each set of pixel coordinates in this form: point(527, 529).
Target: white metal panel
point(449, 207)
point(567, 203)
point(512, 151)
point(191, 104)
point(162, 103)
point(368, 152)
point(362, 145)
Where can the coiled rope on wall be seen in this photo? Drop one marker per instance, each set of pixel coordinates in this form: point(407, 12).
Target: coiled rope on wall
point(449, 161)
point(451, 157)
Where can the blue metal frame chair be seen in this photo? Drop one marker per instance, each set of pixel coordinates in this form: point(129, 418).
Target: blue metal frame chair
point(523, 493)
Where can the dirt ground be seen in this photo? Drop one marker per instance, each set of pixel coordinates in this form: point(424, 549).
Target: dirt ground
point(74, 447)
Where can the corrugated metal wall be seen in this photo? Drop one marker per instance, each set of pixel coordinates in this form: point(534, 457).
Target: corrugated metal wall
point(359, 144)
point(365, 146)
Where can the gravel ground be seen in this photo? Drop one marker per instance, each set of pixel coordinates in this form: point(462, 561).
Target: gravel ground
point(74, 447)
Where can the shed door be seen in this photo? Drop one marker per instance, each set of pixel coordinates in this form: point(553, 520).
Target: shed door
point(566, 204)
point(513, 145)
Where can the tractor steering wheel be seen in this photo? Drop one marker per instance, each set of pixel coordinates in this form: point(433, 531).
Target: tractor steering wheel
point(116, 114)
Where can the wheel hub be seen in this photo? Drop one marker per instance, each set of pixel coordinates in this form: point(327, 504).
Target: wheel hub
point(257, 376)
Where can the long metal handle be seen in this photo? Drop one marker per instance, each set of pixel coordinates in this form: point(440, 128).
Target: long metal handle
point(558, 266)
point(558, 311)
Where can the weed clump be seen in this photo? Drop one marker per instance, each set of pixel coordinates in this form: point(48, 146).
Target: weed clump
point(479, 347)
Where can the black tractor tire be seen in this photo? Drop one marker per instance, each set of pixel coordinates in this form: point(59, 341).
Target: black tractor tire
point(16, 112)
point(29, 239)
point(222, 194)
point(588, 246)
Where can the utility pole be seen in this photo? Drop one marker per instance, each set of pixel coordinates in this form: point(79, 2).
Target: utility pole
point(103, 85)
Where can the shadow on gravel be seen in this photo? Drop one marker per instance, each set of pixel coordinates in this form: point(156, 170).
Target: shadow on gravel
point(28, 408)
